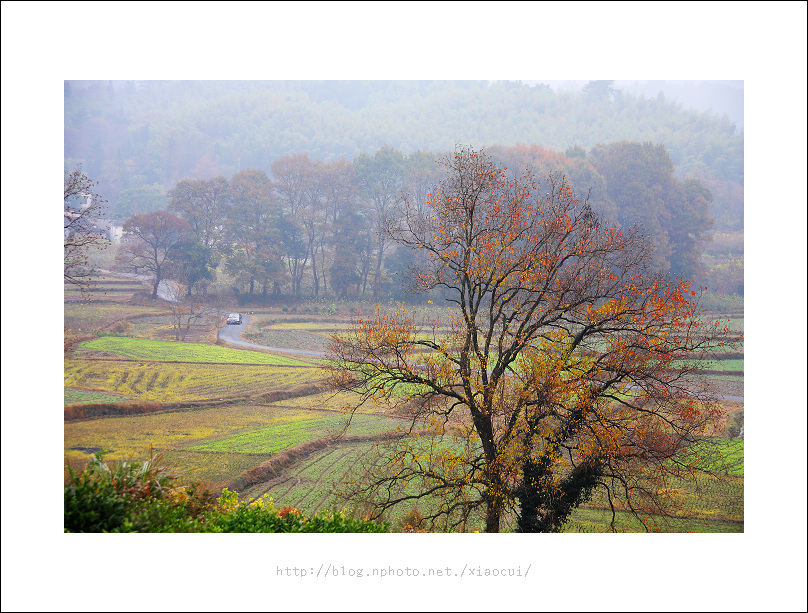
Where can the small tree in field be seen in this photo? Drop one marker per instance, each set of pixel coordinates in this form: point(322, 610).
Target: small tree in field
point(185, 310)
point(562, 366)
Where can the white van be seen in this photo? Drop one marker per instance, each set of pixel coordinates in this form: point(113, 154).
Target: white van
point(234, 319)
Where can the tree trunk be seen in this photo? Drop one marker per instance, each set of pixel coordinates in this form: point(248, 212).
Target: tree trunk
point(377, 274)
point(493, 512)
point(316, 278)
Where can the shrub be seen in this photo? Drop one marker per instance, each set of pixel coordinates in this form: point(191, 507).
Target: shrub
point(261, 516)
point(144, 497)
point(128, 497)
point(92, 504)
point(121, 327)
point(412, 522)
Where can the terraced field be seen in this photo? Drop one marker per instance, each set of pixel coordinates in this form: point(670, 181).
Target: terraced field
point(190, 429)
point(310, 485)
point(98, 316)
point(107, 288)
point(269, 407)
point(169, 382)
point(337, 402)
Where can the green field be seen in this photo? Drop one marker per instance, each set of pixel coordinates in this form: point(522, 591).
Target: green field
point(142, 349)
point(96, 316)
point(723, 456)
point(284, 434)
point(311, 483)
point(709, 505)
point(725, 365)
point(209, 436)
point(87, 397)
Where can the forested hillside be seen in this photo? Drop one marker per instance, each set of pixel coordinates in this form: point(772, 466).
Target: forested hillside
point(139, 138)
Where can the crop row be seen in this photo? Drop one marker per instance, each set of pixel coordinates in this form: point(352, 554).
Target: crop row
point(143, 349)
point(708, 505)
point(103, 283)
point(736, 365)
point(588, 518)
point(290, 339)
point(167, 382)
point(305, 485)
point(723, 455)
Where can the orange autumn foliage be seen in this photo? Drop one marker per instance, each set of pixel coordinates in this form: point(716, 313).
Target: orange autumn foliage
point(564, 366)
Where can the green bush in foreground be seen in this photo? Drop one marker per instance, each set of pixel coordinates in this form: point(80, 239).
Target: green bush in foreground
point(144, 497)
point(261, 516)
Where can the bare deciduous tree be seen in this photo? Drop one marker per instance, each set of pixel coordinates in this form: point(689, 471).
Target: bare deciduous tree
point(83, 208)
point(151, 239)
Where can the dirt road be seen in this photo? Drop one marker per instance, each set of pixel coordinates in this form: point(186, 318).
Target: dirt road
point(232, 334)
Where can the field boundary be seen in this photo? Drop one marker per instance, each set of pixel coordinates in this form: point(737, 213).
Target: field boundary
point(735, 373)
point(99, 410)
point(273, 467)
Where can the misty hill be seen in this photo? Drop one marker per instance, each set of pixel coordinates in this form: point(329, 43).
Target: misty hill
point(139, 134)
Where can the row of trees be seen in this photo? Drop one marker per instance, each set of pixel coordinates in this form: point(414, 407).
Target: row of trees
point(317, 228)
point(313, 220)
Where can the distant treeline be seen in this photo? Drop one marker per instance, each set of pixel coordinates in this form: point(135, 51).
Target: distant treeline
point(139, 138)
point(312, 228)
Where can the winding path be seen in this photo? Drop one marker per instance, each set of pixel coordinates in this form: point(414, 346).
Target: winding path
point(231, 333)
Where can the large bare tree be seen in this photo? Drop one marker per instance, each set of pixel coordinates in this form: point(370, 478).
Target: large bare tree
point(563, 366)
